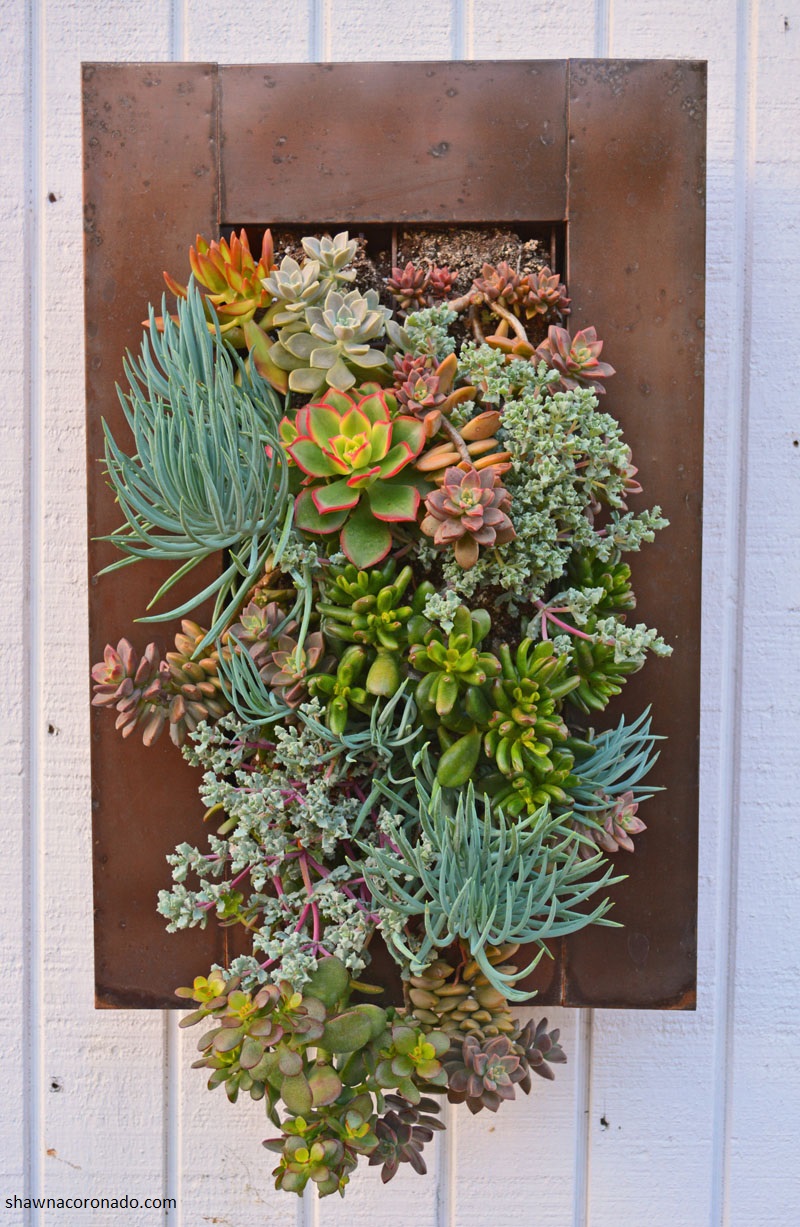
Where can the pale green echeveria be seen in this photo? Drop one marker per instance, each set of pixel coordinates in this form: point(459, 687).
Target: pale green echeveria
point(333, 255)
point(294, 288)
point(337, 350)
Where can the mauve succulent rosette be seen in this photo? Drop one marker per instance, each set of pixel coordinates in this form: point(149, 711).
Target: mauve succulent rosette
point(415, 517)
point(468, 511)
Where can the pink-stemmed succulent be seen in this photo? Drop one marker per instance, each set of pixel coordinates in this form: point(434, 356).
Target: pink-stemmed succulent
point(428, 393)
point(467, 512)
point(620, 823)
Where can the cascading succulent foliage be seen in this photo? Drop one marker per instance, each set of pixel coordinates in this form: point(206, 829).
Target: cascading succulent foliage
point(421, 603)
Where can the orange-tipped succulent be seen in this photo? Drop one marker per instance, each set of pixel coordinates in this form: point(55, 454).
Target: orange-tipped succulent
point(228, 271)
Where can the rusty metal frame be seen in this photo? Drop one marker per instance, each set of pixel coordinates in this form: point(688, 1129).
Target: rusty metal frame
point(614, 149)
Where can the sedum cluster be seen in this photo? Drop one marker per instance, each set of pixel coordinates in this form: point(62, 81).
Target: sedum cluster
point(422, 608)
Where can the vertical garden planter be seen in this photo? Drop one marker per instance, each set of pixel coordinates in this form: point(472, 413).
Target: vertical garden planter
point(606, 159)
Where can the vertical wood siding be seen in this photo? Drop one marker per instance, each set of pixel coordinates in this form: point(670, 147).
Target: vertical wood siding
point(668, 1120)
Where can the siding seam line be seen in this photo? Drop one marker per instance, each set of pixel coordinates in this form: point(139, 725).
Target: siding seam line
point(446, 1169)
point(747, 23)
point(173, 1113)
point(581, 1186)
point(603, 19)
point(34, 527)
point(314, 41)
point(177, 30)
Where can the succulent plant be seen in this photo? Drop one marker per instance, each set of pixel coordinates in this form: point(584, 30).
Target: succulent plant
point(352, 613)
point(575, 358)
point(428, 393)
point(526, 721)
point(453, 669)
point(351, 452)
point(546, 294)
point(301, 1162)
point(134, 686)
point(177, 692)
point(442, 281)
point(586, 570)
point(500, 285)
point(337, 350)
point(540, 1049)
point(406, 365)
point(289, 667)
point(411, 1055)
point(600, 676)
point(481, 880)
point(333, 256)
point(527, 791)
point(461, 1001)
point(619, 823)
point(294, 287)
point(473, 443)
point(402, 1132)
point(207, 474)
point(227, 269)
point(341, 690)
point(194, 683)
point(256, 629)
point(356, 609)
point(467, 512)
point(261, 1039)
point(408, 286)
point(483, 1074)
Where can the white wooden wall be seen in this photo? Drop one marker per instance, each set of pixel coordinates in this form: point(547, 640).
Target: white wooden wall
point(659, 1120)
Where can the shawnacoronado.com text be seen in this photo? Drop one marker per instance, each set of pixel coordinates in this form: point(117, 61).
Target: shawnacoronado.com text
point(90, 1203)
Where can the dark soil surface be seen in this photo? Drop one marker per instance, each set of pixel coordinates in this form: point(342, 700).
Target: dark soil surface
point(462, 249)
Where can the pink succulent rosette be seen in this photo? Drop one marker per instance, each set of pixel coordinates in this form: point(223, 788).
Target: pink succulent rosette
point(467, 512)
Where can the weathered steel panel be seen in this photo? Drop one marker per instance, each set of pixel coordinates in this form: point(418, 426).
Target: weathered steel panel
point(445, 141)
point(151, 182)
point(427, 142)
point(636, 258)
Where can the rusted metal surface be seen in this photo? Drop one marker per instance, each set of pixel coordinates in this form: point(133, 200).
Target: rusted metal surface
point(636, 257)
point(151, 182)
point(461, 142)
point(391, 143)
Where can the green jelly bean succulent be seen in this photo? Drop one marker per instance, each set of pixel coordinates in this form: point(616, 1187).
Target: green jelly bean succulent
point(526, 721)
point(340, 689)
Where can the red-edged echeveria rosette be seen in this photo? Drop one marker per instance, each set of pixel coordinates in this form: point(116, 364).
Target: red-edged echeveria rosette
point(422, 612)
